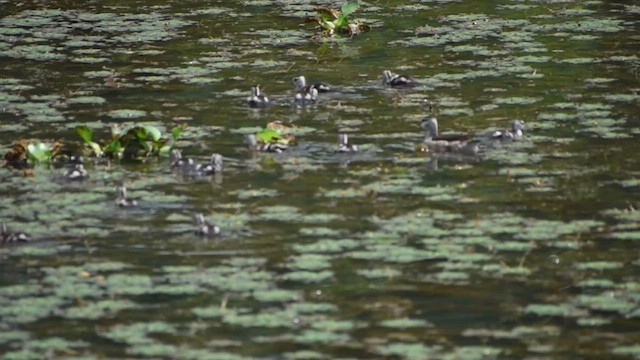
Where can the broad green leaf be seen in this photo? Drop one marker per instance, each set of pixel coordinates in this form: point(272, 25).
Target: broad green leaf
point(268, 135)
point(139, 133)
point(40, 152)
point(85, 133)
point(349, 7)
point(153, 131)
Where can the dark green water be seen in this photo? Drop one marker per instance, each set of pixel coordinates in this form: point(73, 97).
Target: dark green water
point(528, 250)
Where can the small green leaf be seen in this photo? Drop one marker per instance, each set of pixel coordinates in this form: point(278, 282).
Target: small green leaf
point(165, 149)
point(153, 131)
point(340, 22)
point(85, 133)
point(96, 148)
point(176, 131)
point(348, 8)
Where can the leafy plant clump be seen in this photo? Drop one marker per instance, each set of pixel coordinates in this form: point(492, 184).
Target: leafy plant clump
point(334, 21)
point(276, 133)
point(131, 142)
point(26, 153)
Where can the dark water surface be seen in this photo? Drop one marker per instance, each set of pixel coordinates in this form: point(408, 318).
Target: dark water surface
point(528, 250)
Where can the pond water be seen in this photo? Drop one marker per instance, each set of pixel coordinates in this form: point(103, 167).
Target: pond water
point(527, 250)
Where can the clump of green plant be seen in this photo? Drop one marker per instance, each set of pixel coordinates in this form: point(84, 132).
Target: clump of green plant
point(28, 153)
point(334, 21)
point(132, 142)
point(276, 133)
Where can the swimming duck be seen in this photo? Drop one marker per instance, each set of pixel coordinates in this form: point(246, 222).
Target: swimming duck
point(213, 167)
point(344, 146)
point(300, 83)
point(395, 80)
point(515, 133)
point(204, 227)
point(447, 142)
point(123, 200)
point(178, 162)
point(306, 97)
point(77, 173)
point(252, 141)
point(7, 237)
point(257, 98)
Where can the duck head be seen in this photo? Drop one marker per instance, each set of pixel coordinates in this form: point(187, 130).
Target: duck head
point(251, 140)
point(299, 82)
point(387, 76)
point(430, 124)
point(517, 126)
point(216, 161)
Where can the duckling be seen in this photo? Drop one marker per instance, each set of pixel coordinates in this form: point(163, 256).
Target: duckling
point(213, 167)
point(122, 200)
point(257, 98)
point(204, 227)
point(76, 174)
point(252, 141)
point(7, 237)
point(306, 97)
point(514, 134)
point(447, 142)
point(344, 146)
point(395, 80)
point(178, 162)
point(300, 83)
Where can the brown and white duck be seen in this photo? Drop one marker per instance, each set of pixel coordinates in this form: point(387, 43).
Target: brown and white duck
point(435, 142)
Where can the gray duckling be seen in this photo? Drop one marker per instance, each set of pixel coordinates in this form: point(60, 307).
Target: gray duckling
point(122, 200)
point(257, 98)
point(300, 83)
point(204, 227)
point(179, 162)
point(78, 173)
point(8, 237)
point(517, 126)
point(306, 97)
point(210, 168)
point(252, 141)
point(395, 80)
point(446, 142)
point(344, 146)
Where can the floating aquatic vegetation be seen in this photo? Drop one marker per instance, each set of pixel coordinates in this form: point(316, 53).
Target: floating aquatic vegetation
point(25, 153)
point(409, 350)
point(322, 337)
point(404, 323)
point(334, 21)
point(327, 246)
point(131, 142)
point(98, 309)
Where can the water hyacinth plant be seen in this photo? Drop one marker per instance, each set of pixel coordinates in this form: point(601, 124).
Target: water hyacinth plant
point(25, 153)
point(276, 133)
point(136, 141)
point(334, 21)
